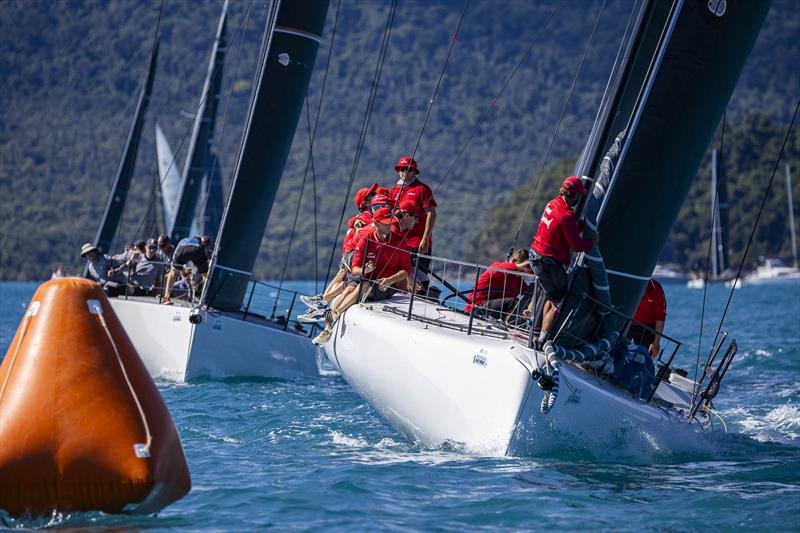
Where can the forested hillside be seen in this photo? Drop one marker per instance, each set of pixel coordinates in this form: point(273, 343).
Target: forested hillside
point(70, 72)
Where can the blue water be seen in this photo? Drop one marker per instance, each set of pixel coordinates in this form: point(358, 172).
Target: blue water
point(313, 455)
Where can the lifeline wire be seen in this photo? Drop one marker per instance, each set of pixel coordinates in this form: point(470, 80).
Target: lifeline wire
point(558, 125)
point(496, 97)
point(441, 76)
point(387, 32)
point(758, 217)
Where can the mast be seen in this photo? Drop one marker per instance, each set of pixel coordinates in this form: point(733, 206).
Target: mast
point(122, 180)
point(289, 49)
point(198, 155)
point(717, 263)
point(214, 201)
point(701, 51)
point(791, 215)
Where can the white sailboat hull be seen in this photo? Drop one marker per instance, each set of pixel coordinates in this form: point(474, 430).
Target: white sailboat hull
point(221, 345)
point(439, 386)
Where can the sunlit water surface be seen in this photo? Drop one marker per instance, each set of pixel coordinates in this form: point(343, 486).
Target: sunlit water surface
point(312, 455)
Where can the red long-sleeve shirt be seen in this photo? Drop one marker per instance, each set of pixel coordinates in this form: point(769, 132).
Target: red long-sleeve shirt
point(494, 284)
point(422, 196)
point(389, 256)
point(557, 233)
point(653, 306)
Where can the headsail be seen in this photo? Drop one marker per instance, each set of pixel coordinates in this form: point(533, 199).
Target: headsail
point(289, 48)
point(122, 179)
point(198, 156)
point(680, 100)
point(168, 176)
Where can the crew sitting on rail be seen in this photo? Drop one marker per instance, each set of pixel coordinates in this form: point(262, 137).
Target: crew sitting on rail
point(98, 266)
point(497, 291)
point(558, 233)
point(381, 264)
point(148, 271)
point(410, 188)
point(652, 312)
point(194, 249)
point(358, 226)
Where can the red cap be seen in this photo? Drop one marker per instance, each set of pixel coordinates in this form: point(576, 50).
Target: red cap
point(361, 195)
point(405, 162)
point(410, 206)
point(384, 191)
point(573, 185)
point(379, 199)
point(383, 215)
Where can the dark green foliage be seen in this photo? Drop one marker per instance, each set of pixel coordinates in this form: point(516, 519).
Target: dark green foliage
point(70, 73)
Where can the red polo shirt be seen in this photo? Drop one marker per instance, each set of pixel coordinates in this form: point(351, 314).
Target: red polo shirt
point(422, 196)
point(494, 284)
point(389, 257)
point(653, 307)
point(557, 233)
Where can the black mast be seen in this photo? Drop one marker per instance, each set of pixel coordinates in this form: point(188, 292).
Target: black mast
point(122, 180)
point(289, 49)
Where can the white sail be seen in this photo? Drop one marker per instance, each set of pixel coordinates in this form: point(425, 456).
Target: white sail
point(168, 176)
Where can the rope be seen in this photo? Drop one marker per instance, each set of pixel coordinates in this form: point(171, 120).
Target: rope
point(755, 225)
point(708, 266)
point(242, 24)
point(496, 97)
point(364, 124)
point(441, 76)
point(96, 308)
point(558, 125)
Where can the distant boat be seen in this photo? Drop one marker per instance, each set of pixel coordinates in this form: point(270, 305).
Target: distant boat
point(669, 274)
point(772, 269)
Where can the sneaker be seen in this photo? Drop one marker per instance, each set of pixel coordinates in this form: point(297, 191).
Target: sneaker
point(314, 315)
point(322, 338)
point(314, 302)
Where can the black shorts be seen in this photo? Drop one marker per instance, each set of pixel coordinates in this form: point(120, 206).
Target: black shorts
point(190, 252)
point(552, 276)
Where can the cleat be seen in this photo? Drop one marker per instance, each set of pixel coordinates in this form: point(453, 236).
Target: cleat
point(322, 338)
point(314, 315)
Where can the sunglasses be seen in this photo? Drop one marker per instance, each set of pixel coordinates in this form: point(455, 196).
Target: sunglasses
point(407, 169)
point(375, 207)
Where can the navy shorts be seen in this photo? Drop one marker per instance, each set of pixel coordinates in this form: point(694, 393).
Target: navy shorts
point(190, 252)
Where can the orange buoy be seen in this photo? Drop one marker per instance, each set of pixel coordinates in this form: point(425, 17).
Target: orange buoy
point(82, 425)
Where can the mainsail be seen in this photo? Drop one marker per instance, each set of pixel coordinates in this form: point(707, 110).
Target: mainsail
point(199, 157)
point(655, 144)
point(289, 49)
point(122, 180)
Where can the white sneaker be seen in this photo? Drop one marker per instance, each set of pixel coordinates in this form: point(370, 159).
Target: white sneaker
point(322, 338)
point(314, 302)
point(313, 315)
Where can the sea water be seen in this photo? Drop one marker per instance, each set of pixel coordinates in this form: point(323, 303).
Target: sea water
point(310, 454)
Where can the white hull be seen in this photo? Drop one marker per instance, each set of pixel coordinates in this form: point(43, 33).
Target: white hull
point(772, 274)
point(220, 346)
point(439, 386)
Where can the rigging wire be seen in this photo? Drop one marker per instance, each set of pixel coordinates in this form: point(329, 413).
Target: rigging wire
point(755, 224)
point(708, 263)
point(240, 28)
point(497, 96)
point(387, 32)
point(312, 134)
point(558, 124)
point(441, 76)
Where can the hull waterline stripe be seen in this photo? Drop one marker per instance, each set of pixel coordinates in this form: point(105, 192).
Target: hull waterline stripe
point(299, 33)
point(626, 275)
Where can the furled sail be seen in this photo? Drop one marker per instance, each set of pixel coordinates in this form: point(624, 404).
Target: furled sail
point(655, 146)
point(289, 49)
point(122, 179)
point(198, 157)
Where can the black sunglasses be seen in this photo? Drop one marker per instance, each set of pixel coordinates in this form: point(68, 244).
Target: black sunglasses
point(375, 207)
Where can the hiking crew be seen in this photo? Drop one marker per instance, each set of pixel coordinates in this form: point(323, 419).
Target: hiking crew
point(652, 312)
point(558, 233)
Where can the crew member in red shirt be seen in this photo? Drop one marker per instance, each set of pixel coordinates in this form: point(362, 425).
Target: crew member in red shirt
point(652, 312)
point(410, 188)
point(497, 291)
point(381, 264)
point(557, 234)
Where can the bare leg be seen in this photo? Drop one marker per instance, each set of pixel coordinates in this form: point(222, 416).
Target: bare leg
point(169, 282)
point(548, 316)
point(335, 287)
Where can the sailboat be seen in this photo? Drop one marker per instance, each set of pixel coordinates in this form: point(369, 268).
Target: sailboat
point(772, 269)
point(441, 376)
point(719, 271)
point(220, 335)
